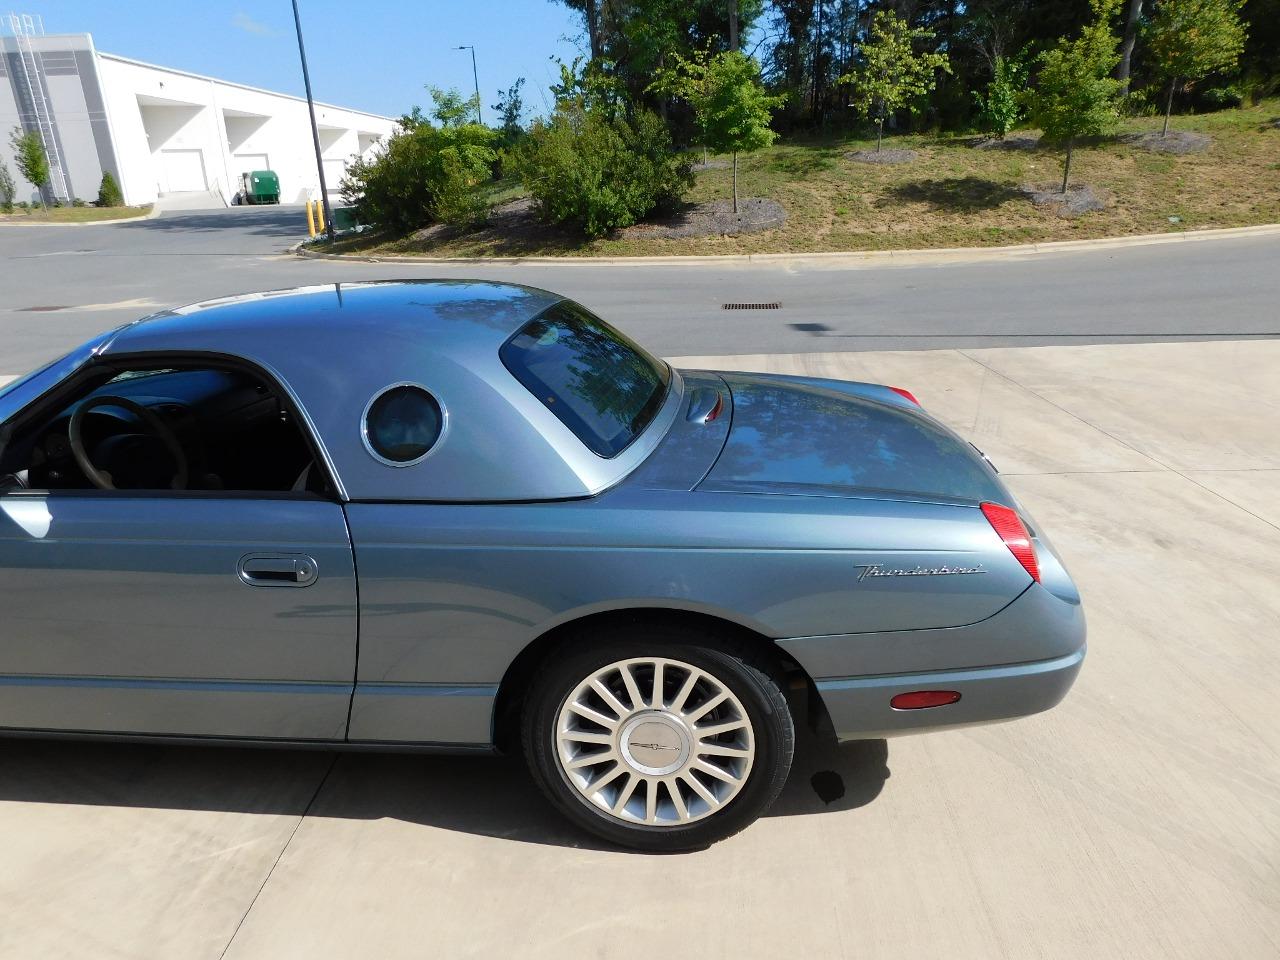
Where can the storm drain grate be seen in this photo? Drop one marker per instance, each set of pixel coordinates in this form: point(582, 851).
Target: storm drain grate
point(750, 306)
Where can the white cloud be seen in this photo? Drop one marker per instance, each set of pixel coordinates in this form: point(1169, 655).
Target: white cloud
point(242, 21)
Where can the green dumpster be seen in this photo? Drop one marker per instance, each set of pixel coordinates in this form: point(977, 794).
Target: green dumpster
point(344, 218)
point(260, 186)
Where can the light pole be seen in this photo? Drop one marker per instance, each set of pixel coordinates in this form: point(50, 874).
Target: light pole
point(315, 131)
point(476, 77)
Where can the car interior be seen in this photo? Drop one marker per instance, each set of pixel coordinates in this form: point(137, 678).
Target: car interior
point(174, 427)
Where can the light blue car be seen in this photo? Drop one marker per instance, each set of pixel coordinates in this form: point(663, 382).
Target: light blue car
point(468, 516)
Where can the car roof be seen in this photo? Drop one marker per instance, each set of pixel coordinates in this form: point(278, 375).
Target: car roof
point(470, 310)
point(334, 347)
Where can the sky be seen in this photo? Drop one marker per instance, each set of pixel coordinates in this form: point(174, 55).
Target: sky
point(373, 55)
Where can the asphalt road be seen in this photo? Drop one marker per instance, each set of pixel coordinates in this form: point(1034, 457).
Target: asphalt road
point(100, 276)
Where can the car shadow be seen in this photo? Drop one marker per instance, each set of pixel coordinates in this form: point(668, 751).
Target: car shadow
point(486, 796)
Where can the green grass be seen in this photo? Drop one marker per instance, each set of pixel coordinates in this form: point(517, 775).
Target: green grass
point(952, 196)
point(73, 214)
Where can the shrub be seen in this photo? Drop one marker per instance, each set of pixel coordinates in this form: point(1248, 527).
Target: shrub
point(595, 172)
point(1000, 109)
point(77, 202)
point(7, 189)
point(109, 194)
point(425, 174)
point(1220, 98)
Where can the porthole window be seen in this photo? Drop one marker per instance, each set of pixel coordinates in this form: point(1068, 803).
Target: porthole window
point(402, 424)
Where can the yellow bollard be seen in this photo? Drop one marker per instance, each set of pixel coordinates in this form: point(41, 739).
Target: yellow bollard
point(311, 223)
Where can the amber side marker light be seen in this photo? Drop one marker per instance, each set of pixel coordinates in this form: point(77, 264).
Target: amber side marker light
point(919, 699)
point(1013, 532)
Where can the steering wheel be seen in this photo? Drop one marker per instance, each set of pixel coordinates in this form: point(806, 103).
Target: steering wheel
point(158, 428)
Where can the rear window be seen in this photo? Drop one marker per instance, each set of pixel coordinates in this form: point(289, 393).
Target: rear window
point(597, 382)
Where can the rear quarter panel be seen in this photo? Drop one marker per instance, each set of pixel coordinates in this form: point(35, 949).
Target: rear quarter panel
point(450, 594)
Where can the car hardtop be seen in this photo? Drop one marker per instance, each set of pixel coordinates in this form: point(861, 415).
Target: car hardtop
point(334, 348)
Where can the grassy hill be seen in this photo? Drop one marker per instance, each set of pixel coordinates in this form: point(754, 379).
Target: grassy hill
point(953, 195)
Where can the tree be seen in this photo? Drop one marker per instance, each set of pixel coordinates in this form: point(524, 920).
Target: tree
point(7, 189)
point(1131, 22)
point(730, 103)
point(29, 154)
point(640, 37)
point(890, 74)
point(1001, 106)
point(510, 111)
point(1075, 94)
point(1190, 39)
point(688, 79)
point(451, 109)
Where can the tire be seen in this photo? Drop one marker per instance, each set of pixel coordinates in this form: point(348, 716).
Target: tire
point(638, 775)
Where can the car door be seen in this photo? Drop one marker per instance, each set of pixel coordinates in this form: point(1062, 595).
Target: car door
point(182, 616)
point(209, 614)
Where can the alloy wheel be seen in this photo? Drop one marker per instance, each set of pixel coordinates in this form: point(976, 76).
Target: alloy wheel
point(654, 741)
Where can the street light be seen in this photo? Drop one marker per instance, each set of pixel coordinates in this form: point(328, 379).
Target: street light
point(476, 77)
point(315, 131)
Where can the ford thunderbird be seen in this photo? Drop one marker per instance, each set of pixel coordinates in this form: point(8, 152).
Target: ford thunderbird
point(468, 516)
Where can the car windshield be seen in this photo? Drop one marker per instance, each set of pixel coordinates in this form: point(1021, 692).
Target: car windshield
point(597, 382)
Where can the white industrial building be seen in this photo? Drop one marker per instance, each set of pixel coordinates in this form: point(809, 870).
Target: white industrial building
point(162, 131)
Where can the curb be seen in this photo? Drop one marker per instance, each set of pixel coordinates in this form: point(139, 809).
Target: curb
point(149, 215)
point(836, 258)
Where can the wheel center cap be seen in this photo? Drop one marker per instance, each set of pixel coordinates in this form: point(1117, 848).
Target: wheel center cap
point(655, 743)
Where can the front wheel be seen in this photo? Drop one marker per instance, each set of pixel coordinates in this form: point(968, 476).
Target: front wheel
point(661, 740)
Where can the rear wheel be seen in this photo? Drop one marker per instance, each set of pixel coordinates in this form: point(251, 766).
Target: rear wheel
point(658, 739)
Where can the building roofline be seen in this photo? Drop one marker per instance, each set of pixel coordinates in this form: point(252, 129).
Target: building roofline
point(229, 83)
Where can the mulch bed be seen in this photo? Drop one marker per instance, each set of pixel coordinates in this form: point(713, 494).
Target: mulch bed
point(713, 219)
point(882, 156)
point(1018, 142)
point(1079, 199)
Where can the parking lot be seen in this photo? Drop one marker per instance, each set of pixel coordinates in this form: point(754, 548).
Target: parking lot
point(1139, 819)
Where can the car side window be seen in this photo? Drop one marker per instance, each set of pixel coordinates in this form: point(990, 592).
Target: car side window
point(402, 424)
point(171, 427)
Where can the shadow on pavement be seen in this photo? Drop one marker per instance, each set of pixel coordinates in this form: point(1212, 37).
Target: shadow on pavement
point(487, 796)
point(264, 221)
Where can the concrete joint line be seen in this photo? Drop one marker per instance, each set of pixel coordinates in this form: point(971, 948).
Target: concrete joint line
point(280, 856)
point(1164, 467)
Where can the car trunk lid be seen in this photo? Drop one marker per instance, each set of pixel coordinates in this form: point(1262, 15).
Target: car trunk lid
point(807, 437)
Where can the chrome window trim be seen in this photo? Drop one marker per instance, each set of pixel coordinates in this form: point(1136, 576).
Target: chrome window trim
point(435, 445)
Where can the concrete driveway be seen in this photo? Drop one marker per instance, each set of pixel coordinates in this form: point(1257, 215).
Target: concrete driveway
point(1141, 819)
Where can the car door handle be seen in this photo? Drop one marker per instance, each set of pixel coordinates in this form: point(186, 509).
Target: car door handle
point(277, 570)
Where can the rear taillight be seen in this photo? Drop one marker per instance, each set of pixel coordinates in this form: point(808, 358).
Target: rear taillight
point(904, 392)
point(1013, 532)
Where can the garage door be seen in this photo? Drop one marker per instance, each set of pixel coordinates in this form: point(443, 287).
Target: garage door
point(248, 162)
point(182, 171)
